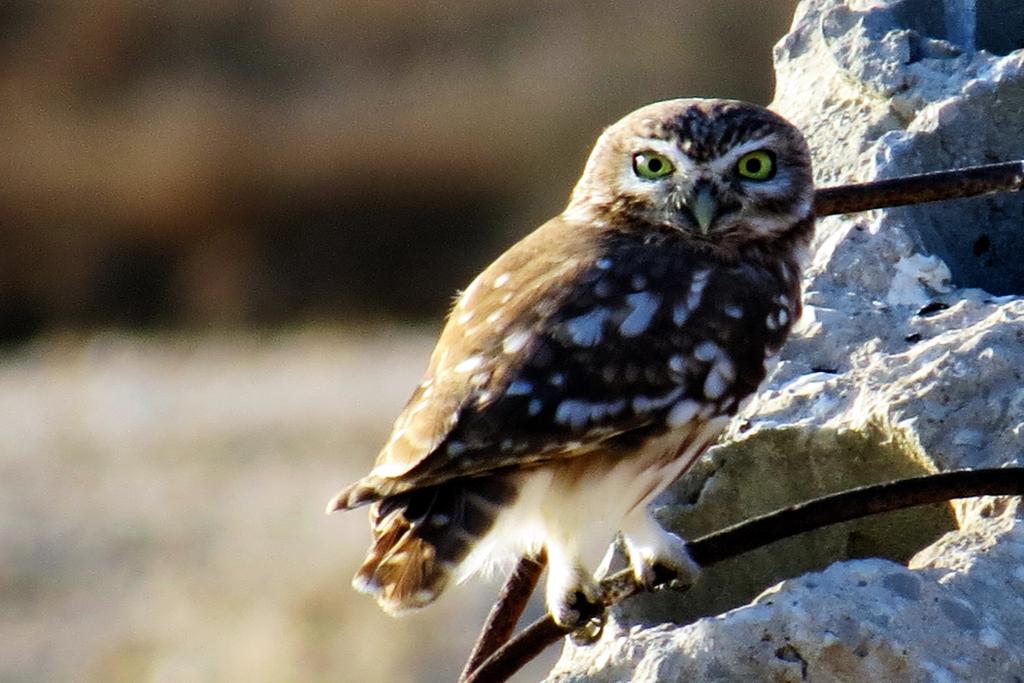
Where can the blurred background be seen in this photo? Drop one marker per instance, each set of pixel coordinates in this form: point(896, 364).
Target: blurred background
point(228, 234)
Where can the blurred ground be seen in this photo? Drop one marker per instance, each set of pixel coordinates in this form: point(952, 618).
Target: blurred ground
point(161, 513)
point(228, 233)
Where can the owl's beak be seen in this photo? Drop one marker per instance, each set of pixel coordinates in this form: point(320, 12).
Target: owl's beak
point(703, 206)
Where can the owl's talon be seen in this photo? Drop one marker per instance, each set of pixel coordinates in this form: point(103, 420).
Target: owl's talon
point(591, 631)
point(665, 576)
point(659, 557)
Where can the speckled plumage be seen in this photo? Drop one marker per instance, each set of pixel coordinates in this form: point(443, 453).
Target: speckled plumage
point(588, 366)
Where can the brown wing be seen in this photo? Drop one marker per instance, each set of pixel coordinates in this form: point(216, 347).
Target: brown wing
point(571, 343)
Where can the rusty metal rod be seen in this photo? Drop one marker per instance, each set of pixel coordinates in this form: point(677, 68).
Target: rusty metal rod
point(502, 620)
point(919, 189)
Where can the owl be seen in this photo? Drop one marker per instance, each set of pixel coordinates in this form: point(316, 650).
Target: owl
point(591, 364)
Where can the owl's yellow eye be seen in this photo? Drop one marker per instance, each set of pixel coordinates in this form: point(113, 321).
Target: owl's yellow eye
point(759, 165)
point(651, 165)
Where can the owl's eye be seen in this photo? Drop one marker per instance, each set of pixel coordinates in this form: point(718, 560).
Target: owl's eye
point(759, 165)
point(651, 165)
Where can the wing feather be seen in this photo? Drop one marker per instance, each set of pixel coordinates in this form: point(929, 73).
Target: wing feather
point(566, 346)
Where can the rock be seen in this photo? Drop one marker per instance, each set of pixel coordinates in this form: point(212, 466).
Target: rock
point(909, 359)
point(862, 620)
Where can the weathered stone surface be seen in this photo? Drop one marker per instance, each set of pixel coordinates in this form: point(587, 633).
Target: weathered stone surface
point(910, 359)
point(955, 619)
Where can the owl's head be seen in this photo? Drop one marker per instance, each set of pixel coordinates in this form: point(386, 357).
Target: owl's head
point(716, 170)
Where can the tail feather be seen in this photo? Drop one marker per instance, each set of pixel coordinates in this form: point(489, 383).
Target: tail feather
point(401, 571)
point(421, 536)
point(364, 491)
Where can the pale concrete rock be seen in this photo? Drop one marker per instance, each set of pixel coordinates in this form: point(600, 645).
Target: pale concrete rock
point(950, 619)
point(909, 359)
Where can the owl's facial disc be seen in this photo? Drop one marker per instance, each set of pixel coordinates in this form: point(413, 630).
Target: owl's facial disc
point(718, 171)
point(709, 197)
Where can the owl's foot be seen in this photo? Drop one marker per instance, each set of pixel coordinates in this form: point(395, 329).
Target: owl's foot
point(574, 598)
point(658, 557)
point(671, 576)
point(585, 617)
point(577, 608)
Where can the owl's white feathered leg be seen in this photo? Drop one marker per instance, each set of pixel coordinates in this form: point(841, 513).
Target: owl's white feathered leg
point(653, 549)
point(572, 594)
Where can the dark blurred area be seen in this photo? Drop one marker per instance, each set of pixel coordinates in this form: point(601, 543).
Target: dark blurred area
point(226, 163)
